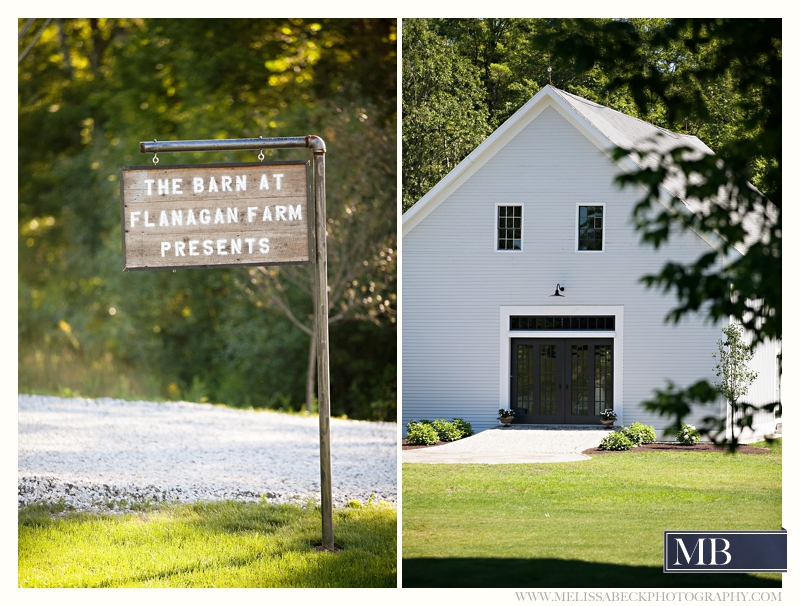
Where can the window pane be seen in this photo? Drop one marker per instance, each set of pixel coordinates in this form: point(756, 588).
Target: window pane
point(509, 228)
point(525, 378)
point(580, 380)
point(603, 378)
point(547, 380)
point(590, 228)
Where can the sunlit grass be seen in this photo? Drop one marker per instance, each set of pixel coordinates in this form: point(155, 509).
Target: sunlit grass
point(225, 544)
point(612, 509)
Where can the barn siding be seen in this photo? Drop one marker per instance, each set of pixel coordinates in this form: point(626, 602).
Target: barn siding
point(766, 388)
point(454, 282)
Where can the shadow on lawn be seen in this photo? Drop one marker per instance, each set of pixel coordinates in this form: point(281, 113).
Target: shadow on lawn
point(567, 574)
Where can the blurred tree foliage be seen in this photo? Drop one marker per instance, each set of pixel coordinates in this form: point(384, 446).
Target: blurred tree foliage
point(89, 90)
point(722, 76)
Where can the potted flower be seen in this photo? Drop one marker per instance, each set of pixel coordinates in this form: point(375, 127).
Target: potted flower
point(607, 417)
point(506, 416)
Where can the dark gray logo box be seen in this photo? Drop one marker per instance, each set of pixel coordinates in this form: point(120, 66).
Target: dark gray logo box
point(725, 551)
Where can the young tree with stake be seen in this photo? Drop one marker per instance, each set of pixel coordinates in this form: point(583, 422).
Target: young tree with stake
point(733, 370)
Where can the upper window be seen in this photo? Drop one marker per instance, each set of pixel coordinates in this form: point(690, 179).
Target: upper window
point(590, 227)
point(509, 227)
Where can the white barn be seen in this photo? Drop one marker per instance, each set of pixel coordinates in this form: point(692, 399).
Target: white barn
point(521, 282)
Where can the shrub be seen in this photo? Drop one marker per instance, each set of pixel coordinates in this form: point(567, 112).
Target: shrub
point(447, 430)
point(464, 426)
point(616, 440)
point(639, 433)
point(688, 435)
point(421, 433)
point(441, 430)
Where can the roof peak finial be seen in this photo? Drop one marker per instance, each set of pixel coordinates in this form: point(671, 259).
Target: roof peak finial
point(550, 74)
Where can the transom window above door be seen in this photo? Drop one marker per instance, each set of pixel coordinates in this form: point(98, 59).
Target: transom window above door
point(509, 227)
point(590, 227)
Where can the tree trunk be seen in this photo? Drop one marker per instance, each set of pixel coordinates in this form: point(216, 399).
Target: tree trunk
point(62, 40)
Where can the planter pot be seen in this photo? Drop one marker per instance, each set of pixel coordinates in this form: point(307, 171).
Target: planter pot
point(607, 423)
point(506, 421)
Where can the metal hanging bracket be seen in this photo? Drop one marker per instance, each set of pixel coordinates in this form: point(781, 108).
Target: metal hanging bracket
point(313, 142)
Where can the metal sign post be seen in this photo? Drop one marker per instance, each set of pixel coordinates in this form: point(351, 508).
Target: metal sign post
point(224, 246)
point(323, 372)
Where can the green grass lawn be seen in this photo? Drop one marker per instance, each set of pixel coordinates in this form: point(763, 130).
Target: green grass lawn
point(223, 544)
point(589, 524)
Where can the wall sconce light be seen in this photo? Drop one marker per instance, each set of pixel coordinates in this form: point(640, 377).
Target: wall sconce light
point(558, 294)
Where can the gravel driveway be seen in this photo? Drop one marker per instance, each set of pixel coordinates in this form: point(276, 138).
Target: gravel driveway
point(95, 454)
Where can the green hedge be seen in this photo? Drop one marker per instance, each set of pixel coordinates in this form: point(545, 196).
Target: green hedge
point(616, 440)
point(640, 434)
point(441, 430)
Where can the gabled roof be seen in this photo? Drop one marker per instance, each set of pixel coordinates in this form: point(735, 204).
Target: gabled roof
point(626, 131)
point(605, 127)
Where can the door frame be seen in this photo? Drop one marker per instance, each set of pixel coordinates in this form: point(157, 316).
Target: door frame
point(506, 334)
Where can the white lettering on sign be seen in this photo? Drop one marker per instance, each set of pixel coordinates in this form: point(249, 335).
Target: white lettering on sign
point(226, 183)
point(164, 186)
point(220, 247)
point(230, 214)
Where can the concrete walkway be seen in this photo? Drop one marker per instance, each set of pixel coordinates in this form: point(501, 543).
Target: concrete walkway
point(515, 444)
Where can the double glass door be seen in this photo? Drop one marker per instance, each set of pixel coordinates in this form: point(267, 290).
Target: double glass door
point(561, 380)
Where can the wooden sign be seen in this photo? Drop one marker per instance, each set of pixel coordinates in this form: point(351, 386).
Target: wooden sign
point(215, 215)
